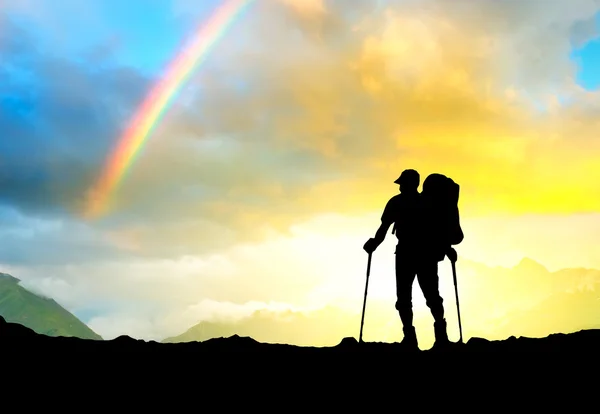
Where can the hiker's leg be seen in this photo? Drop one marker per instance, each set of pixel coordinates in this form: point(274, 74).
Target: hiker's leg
point(405, 276)
point(429, 283)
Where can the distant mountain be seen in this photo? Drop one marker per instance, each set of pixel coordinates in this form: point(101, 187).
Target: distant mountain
point(565, 312)
point(496, 302)
point(531, 299)
point(320, 327)
point(42, 315)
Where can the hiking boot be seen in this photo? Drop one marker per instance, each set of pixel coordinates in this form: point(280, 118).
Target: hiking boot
point(409, 342)
point(441, 336)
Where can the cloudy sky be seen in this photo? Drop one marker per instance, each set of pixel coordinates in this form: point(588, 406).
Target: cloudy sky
point(271, 168)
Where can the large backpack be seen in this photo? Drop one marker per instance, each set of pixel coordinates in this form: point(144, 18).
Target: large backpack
point(441, 195)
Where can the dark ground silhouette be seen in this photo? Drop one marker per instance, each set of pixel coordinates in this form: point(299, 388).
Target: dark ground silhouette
point(242, 373)
point(16, 337)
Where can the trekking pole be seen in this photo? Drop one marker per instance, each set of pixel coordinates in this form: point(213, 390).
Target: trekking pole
point(362, 320)
point(457, 302)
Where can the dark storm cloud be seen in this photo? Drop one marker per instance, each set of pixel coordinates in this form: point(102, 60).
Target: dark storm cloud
point(58, 119)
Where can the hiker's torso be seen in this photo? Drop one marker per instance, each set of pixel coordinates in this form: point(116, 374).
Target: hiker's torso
point(407, 216)
point(417, 227)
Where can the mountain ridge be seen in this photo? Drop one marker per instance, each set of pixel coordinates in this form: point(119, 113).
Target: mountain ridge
point(493, 286)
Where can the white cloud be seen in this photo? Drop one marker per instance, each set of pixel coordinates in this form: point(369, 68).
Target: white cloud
point(176, 320)
point(316, 266)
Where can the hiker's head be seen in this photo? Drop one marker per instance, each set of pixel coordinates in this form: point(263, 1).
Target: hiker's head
point(409, 181)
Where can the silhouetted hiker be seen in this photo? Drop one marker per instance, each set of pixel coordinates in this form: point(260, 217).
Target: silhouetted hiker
point(417, 254)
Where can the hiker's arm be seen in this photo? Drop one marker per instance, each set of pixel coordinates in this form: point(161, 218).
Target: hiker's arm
point(372, 244)
point(386, 222)
point(381, 232)
point(387, 219)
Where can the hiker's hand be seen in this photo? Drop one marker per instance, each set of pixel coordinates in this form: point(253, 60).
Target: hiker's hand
point(370, 245)
point(452, 255)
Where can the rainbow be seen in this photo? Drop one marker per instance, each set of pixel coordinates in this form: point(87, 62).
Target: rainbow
point(156, 104)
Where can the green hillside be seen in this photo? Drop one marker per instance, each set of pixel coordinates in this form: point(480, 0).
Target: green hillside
point(43, 315)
